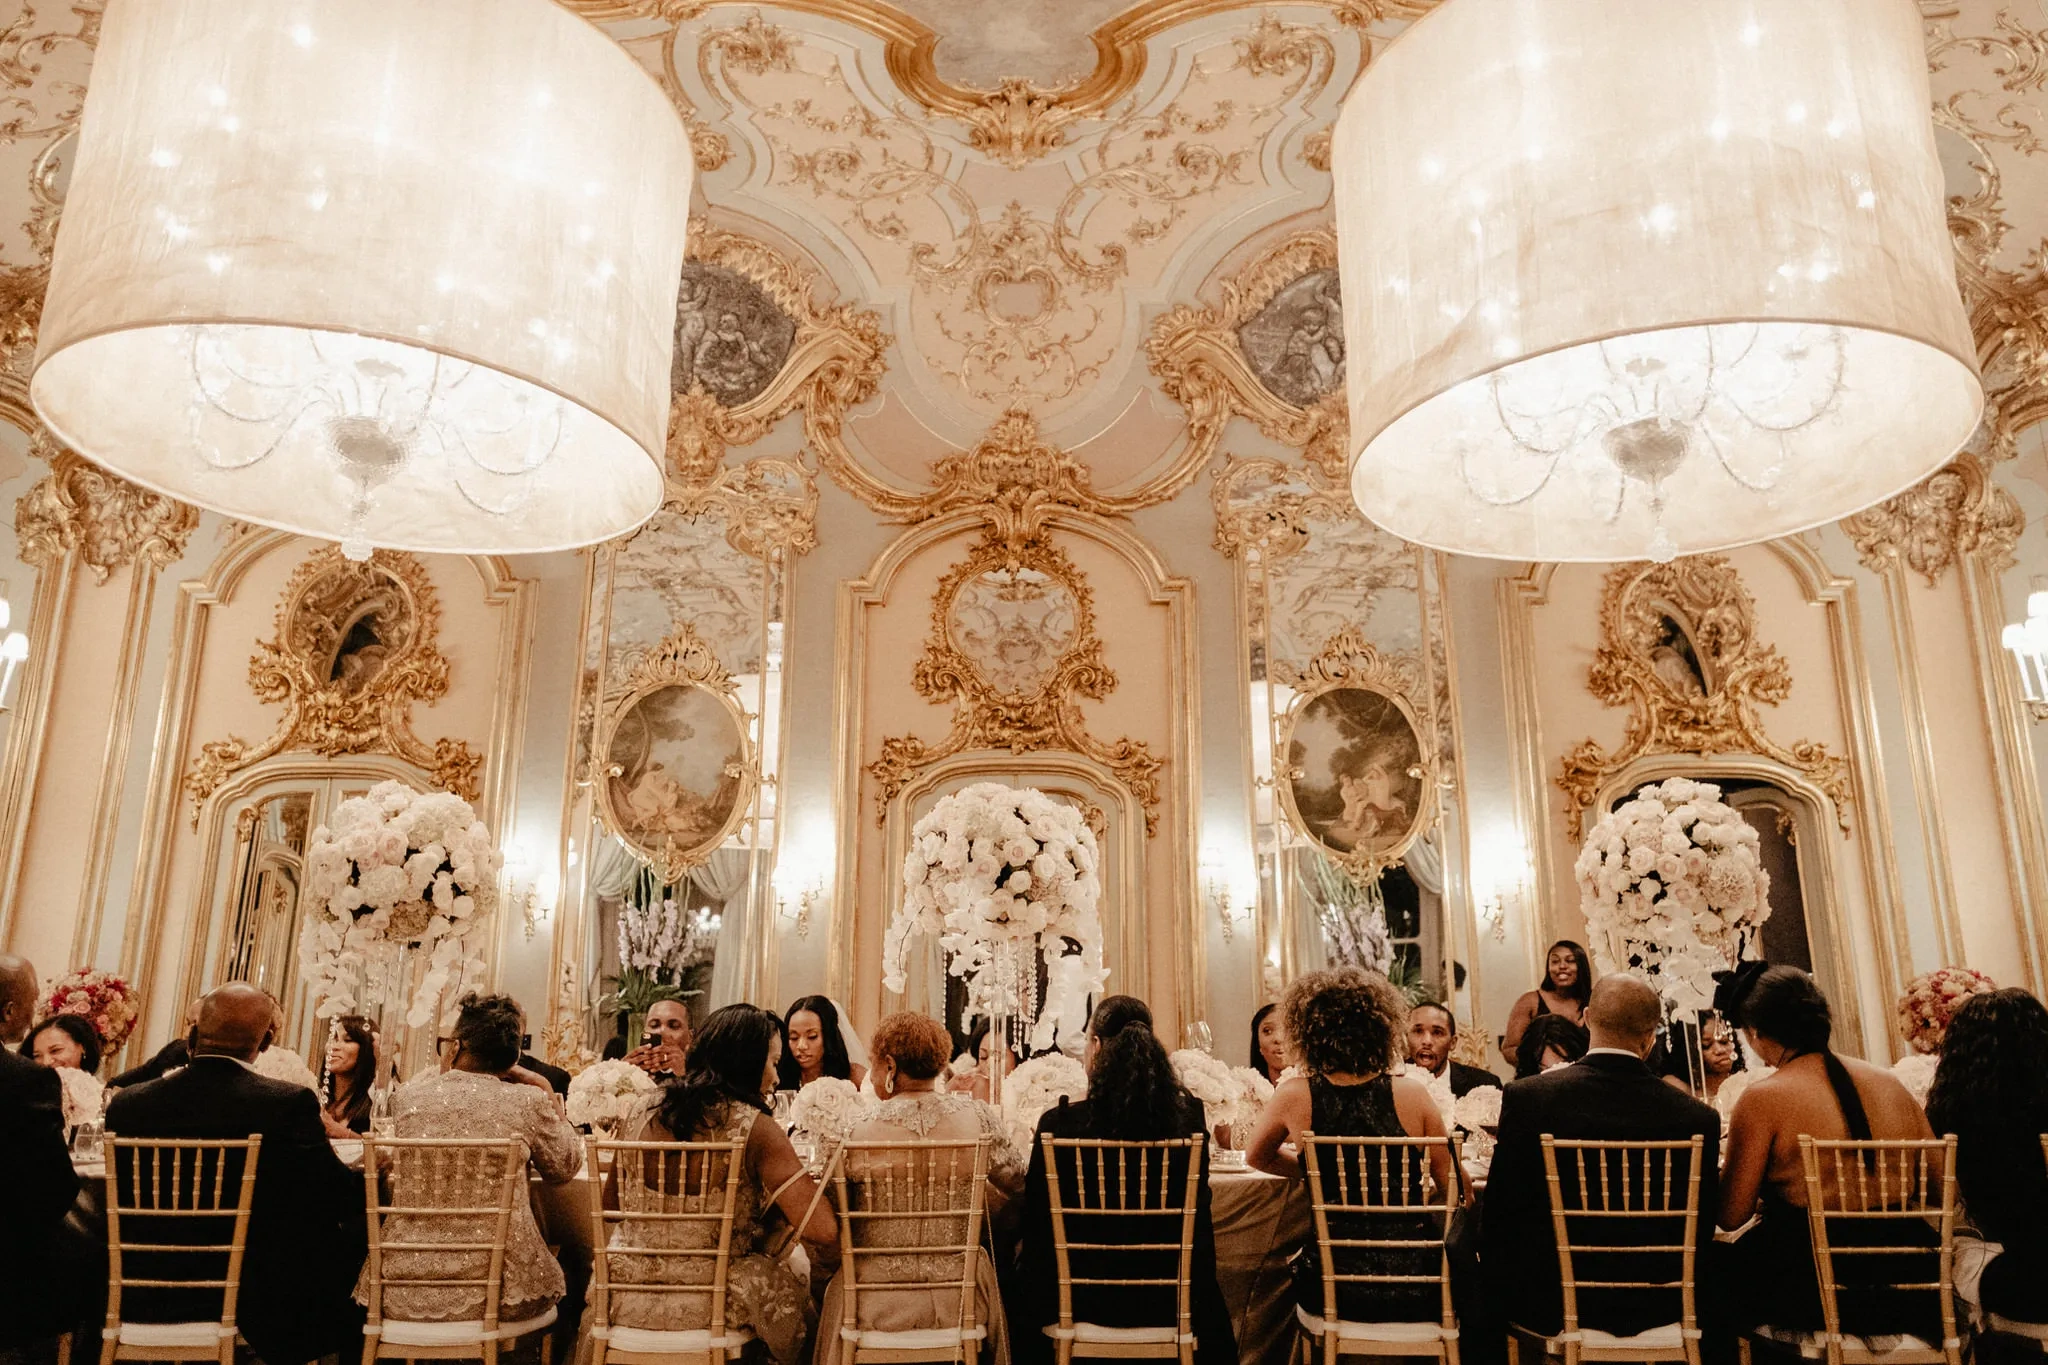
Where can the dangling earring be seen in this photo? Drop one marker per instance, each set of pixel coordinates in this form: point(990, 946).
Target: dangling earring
point(889, 1080)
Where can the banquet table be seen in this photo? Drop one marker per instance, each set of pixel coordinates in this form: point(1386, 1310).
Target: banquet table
point(1259, 1221)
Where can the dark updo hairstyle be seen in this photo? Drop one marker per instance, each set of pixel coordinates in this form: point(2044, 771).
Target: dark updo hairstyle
point(363, 1076)
point(1133, 1095)
point(1345, 1020)
point(1258, 1062)
point(81, 1032)
point(790, 1076)
point(487, 1028)
point(728, 1057)
point(1784, 1005)
point(1581, 988)
point(1548, 1033)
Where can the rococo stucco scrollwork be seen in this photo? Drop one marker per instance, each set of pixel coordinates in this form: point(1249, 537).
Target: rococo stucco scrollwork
point(356, 645)
point(1679, 645)
point(1960, 510)
point(108, 521)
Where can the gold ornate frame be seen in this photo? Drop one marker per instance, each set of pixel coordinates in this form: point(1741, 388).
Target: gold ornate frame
point(1349, 662)
point(680, 660)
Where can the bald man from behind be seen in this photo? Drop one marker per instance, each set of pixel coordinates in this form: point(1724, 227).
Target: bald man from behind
point(37, 1184)
point(1610, 1094)
point(306, 1229)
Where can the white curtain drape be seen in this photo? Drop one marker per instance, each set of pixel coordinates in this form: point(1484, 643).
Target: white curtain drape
point(1425, 863)
point(725, 878)
point(612, 868)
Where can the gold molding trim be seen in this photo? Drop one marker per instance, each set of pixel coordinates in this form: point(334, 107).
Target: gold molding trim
point(1027, 719)
point(1348, 660)
point(324, 599)
point(107, 520)
point(1717, 713)
point(1959, 510)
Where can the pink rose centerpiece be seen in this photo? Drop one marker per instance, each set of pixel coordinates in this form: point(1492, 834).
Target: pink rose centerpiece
point(1931, 1002)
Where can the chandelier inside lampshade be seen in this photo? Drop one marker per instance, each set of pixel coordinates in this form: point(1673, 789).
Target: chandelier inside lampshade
point(387, 273)
point(1627, 281)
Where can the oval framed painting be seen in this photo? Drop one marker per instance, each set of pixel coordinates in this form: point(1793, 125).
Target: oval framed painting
point(1358, 782)
point(677, 773)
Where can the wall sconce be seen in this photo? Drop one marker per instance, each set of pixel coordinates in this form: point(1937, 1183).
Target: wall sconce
point(528, 889)
point(1223, 895)
point(795, 895)
point(1493, 906)
point(13, 649)
point(2028, 641)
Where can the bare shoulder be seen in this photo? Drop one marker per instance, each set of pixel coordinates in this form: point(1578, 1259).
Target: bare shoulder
point(1293, 1090)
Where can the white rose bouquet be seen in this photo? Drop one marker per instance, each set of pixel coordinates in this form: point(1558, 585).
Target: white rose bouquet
point(396, 869)
point(829, 1109)
point(1671, 887)
point(283, 1064)
point(1478, 1109)
point(1209, 1081)
point(84, 1096)
point(1036, 1086)
point(604, 1095)
point(1005, 877)
point(1915, 1071)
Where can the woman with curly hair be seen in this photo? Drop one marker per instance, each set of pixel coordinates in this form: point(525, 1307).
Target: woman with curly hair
point(1133, 1096)
point(1991, 1091)
point(1346, 1026)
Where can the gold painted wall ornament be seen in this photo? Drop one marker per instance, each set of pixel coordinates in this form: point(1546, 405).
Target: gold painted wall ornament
point(1960, 510)
point(1013, 646)
point(1012, 474)
point(1359, 774)
point(676, 766)
point(356, 646)
point(107, 520)
point(1678, 644)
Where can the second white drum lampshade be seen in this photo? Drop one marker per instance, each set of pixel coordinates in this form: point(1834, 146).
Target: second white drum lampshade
point(386, 272)
point(1627, 279)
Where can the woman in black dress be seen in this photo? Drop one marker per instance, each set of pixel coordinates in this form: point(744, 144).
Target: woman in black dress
point(1133, 1096)
point(1346, 1027)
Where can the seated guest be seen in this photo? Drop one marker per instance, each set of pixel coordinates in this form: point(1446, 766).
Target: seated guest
point(1718, 1058)
point(1348, 1027)
point(817, 1045)
point(1550, 1041)
point(664, 1041)
point(64, 1040)
point(1133, 1096)
point(38, 1298)
point(167, 1058)
point(1991, 1091)
point(348, 1073)
point(1566, 986)
point(987, 1054)
point(305, 1241)
point(481, 1092)
point(1610, 1095)
point(721, 1098)
point(1269, 1043)
point(1431, 1031)
point(909, 1053)
point(1811, 1092)
point(557, 1079)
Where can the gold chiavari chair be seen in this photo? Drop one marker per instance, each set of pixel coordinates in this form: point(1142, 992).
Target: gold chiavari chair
point(669, 1233)
point(183, 1198)
point(442, 1228)
point(1639, 1200)
point(1866, 1203)
point(1357, 1188)
point(910, 1216)
point(1117, 1186)
point(2034, 1332)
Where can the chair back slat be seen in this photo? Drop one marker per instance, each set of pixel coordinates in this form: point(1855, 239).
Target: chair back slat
point(1095, 1183)
point(1872, 1207)
point(440, 1213)
point(1639, 1200)
point(1374, 1198)
point(662, 1223)
point(171, 1199)
point(910, 1221)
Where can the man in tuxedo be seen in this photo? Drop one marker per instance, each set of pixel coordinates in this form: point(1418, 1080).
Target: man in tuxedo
point(306, 1225)
point(1608, 1095)
point(1431, 1031)
point(43, 1277)
point(557, 1079)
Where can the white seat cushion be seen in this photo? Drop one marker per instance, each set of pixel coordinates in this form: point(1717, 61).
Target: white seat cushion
point(926, 1339)
point(1128, 1336)
point(206, 1334)
point(399, 1333)
point(2014, 1327)
point(1813, 1345)
point(1393, 1332)
point(1666, 1338)
point(652, 1342)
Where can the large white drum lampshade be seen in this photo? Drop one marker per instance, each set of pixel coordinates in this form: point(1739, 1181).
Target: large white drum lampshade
point(1629, 278)
point(387, 272)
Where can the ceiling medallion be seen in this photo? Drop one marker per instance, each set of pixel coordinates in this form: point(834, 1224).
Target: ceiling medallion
point(274, 297)
point(1646, 364)
point(356, 645)
point(1678, 644)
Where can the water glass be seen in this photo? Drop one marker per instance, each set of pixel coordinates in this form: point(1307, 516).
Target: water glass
point(1196, 1036)
point(782, 1106)
point(88, 1142)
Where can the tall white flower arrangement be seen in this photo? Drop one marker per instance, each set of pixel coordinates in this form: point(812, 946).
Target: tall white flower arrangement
point(396, 869)
point(1671, 887)
point(1004, 877)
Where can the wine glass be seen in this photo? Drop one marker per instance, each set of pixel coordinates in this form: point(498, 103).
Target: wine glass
point(1196, 1036)
point(782, 1106)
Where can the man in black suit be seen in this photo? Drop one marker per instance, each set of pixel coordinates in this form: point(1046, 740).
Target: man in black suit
point(1431, 1031)
point(1608, 1095)
point(557, 1079)
point(40, 1292)
point(306, 1226)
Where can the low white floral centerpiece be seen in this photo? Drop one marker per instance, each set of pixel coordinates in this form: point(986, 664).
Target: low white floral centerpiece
point(829, 1109)
point(396, 871)
point(1672, 889)
point(605, 1095)
point(1233, 1096)
point(283, 1064)
point(1005, 878)
point(84, 1096)
point(1036, 1086)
